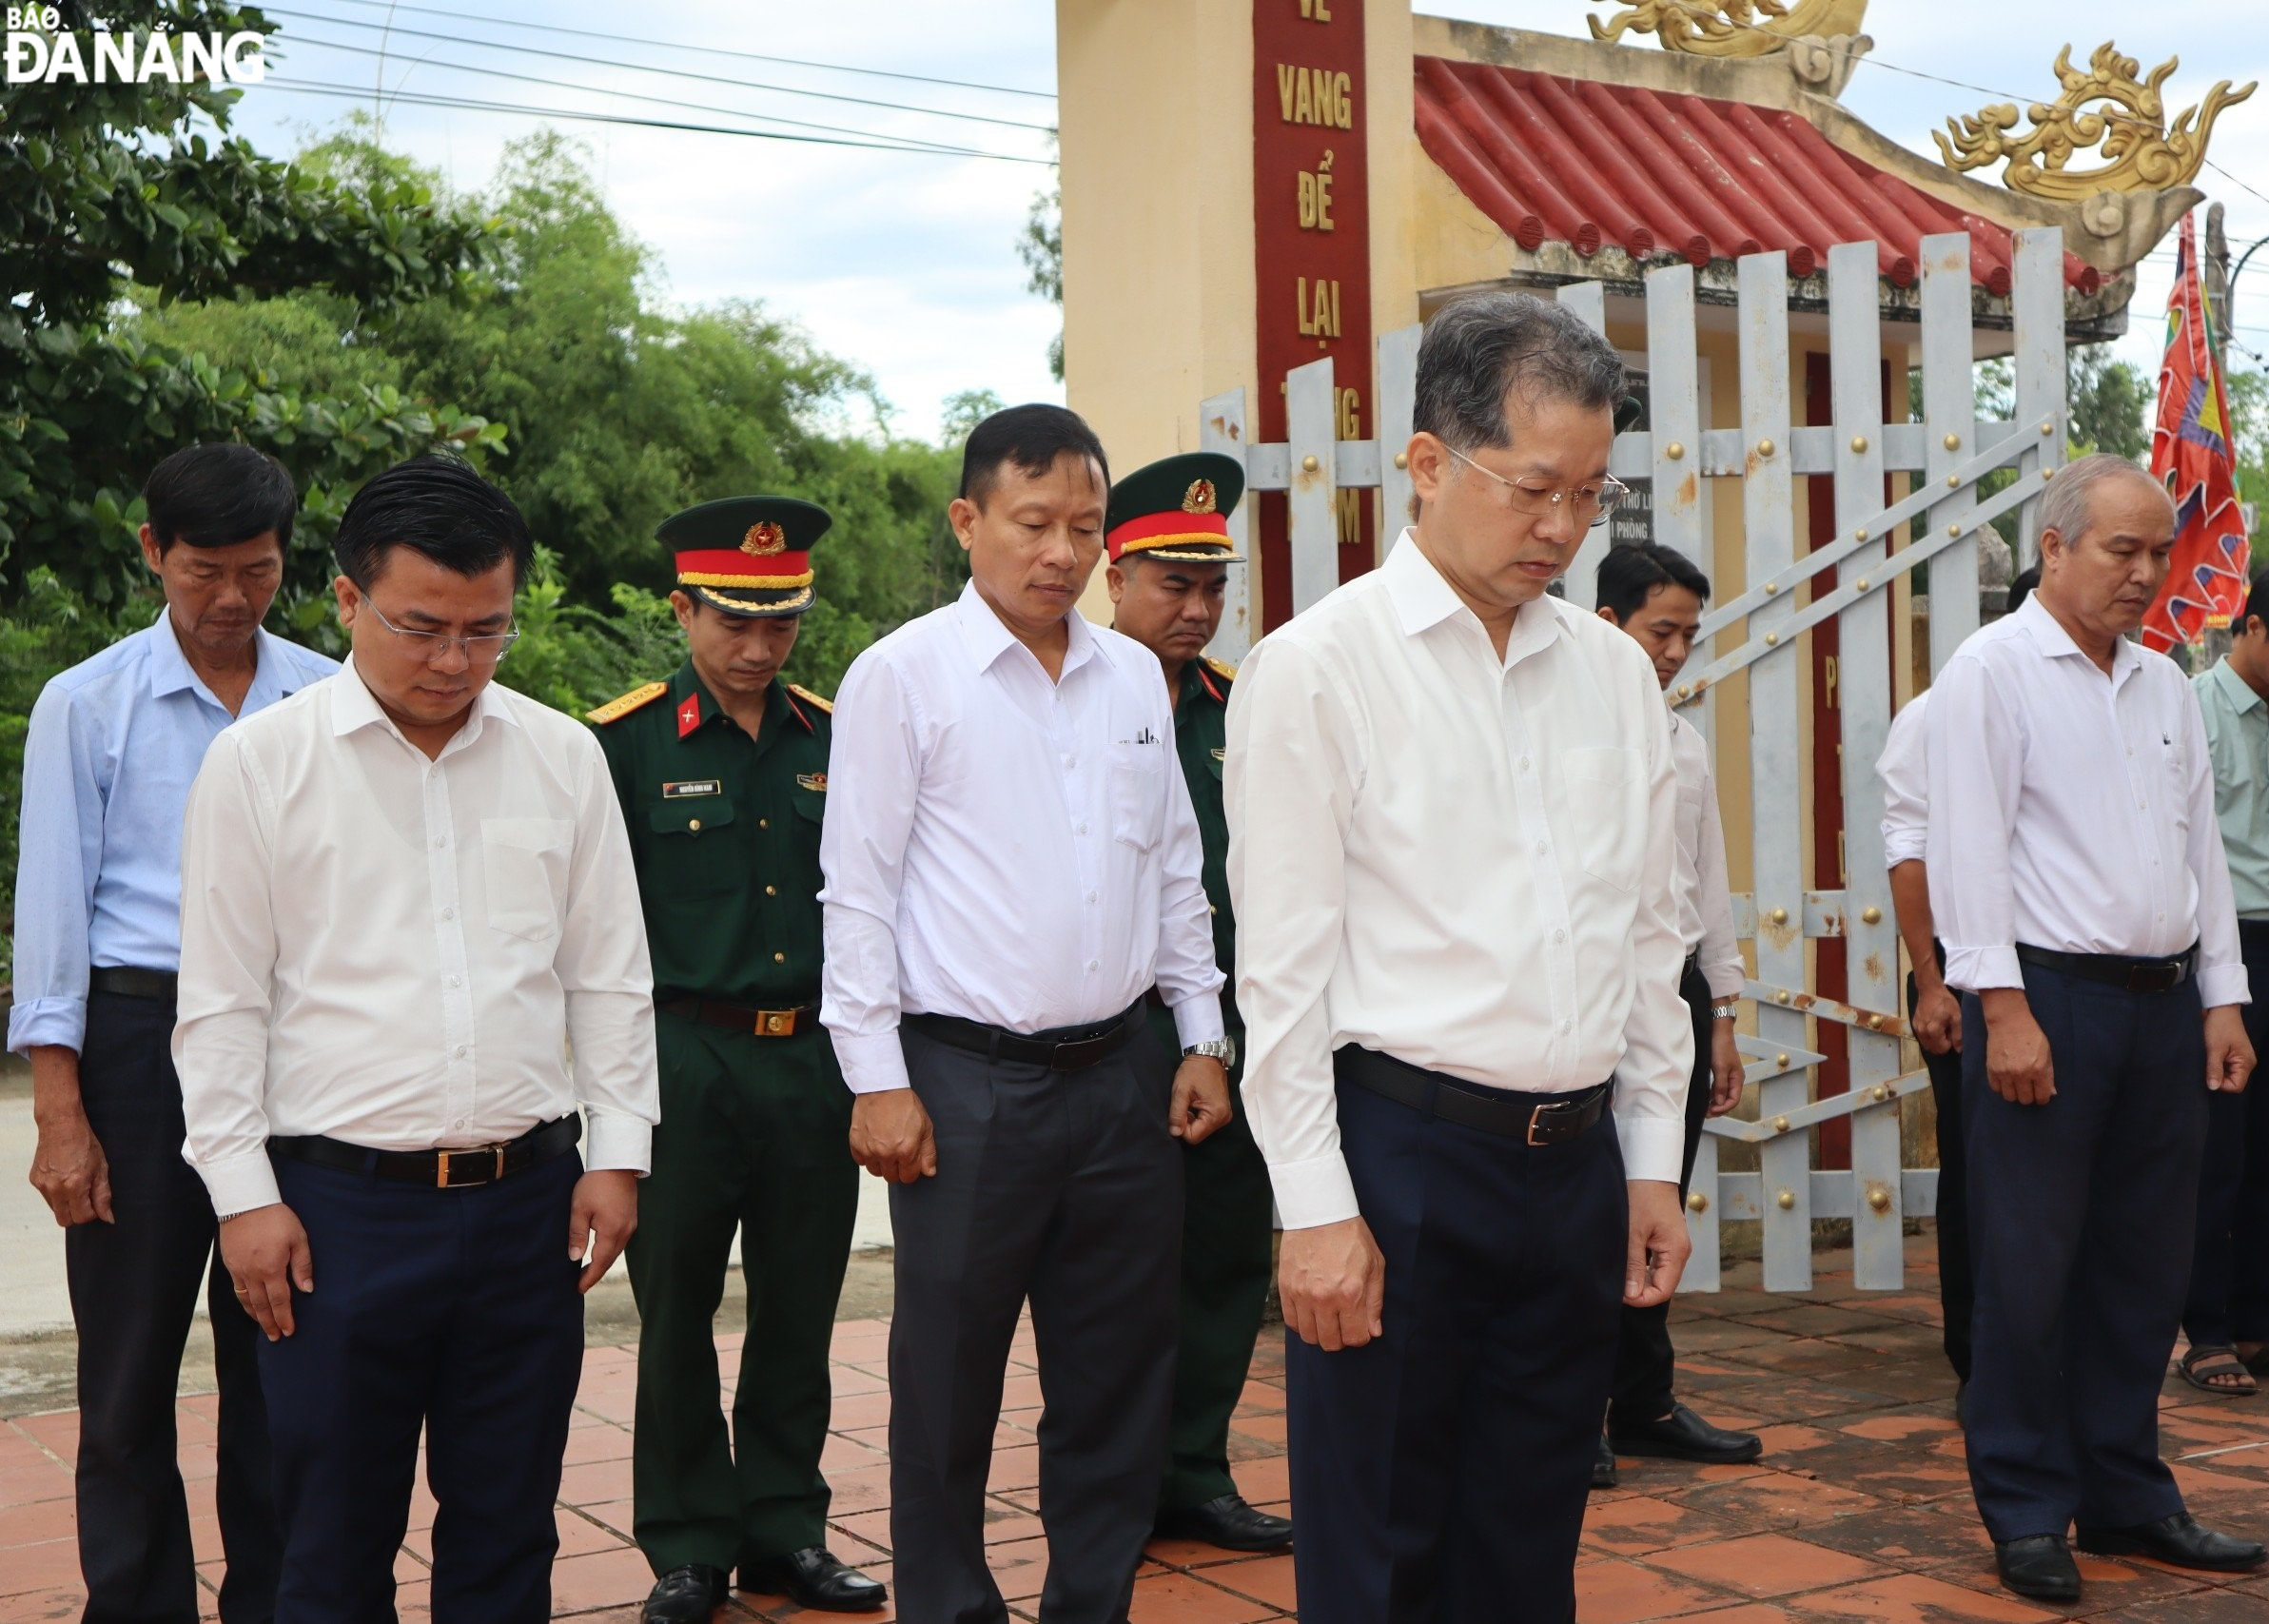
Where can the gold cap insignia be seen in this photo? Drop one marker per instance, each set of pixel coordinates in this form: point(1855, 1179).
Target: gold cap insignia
point(1199, 498)
point(764, 538)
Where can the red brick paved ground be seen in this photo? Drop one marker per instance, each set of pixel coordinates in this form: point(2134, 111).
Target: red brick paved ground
point(1859, 1511)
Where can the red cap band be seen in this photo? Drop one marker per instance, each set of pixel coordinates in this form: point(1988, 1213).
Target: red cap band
point(1163, 529)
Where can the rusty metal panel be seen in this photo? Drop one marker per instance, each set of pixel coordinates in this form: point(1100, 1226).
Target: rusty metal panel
point(1674, 412)
point(1949, 426)
point(1310, 422)
point(1397, 400)
point(1776, 731)
point(1222, 429)
point(1589, 301)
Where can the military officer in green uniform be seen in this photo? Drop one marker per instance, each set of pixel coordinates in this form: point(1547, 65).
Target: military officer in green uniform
point(723, 773)
point(1166, 529)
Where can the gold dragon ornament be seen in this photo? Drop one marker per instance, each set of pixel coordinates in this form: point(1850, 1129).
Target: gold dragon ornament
point(1733, 28)
point(2145, 154)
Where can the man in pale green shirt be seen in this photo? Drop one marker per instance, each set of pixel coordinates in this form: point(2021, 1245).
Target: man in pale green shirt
point(2226, 1319)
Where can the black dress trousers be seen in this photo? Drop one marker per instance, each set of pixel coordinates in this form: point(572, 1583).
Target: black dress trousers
point(134, 1285)
point(1439, 1471)
point(1064, 1188)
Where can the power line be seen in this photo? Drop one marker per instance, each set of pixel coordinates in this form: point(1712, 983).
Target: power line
point(667, 72)
point(426, 99)
point(911, 142)
point(705, 50)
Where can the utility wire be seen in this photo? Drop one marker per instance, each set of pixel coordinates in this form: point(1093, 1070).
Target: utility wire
point(703, 49)
point(912, 142)
point(426, 99)
point(667, 72)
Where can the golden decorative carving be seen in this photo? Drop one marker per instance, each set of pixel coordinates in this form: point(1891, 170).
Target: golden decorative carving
point(2147, 153)
point(1733, 28)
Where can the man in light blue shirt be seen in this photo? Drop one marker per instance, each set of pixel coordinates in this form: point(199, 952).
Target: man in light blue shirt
point(2226, 1316)
point(113, 745)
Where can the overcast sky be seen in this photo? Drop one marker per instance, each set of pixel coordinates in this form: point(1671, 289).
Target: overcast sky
point(904, 263)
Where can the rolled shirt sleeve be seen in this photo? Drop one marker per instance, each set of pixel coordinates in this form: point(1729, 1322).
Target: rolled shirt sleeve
point(58, 838)
point(605, 972)
point(1290, 770)
point(229, 960)
point(875, 767)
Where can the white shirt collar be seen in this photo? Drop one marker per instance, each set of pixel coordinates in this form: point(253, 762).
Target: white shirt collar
point(354, 708)
point(1423, 600)
point(988, 637)
point(2054, 642)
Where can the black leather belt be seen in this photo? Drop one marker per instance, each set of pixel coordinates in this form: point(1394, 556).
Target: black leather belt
point(1562, 1117)
point(737, 1018)
point(2116, 970)
point(453, 1169)
point(126, 981)
point(1059, 1048)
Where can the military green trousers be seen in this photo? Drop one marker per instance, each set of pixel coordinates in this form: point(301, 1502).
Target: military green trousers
point(1226, 1209)
point(753, 1137)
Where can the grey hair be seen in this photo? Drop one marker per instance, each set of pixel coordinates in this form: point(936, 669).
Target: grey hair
point(1482, 351)
point(2068, 506)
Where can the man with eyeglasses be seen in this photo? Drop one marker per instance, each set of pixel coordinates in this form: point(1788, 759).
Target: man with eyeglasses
point(1452, 807)
point(412, 961)
point(113, 745)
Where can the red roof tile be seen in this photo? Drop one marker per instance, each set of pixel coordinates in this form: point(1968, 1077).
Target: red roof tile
point(1591, 164)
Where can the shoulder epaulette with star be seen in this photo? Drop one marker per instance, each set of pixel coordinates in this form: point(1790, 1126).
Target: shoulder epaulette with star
point(1220, 668)
point(614, 709)
point(827, 707)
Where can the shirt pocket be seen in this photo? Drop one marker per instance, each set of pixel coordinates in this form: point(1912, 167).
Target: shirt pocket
point(1137, 792)
point(693, 856)
point(526, 862)
point(1610, 827)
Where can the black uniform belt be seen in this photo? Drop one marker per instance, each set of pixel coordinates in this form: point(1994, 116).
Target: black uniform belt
point(450, 1170)
point(739, 1018)
point(2117, 970)
point(1551, 1121)
point(1059, 1048)
point(126, 981)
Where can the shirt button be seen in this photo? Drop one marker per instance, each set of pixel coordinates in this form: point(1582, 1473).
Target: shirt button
point(447, 915)
point(761, 823)
point(693, 825)
point(780, 958)
point(460, 1052)
point(1559, 936)
point(459, 1123)
point(1071, 762)
point(1524, 764)
point(1543, 847)
point(772, 891)
point(1091, 896)
point(1094, 965)
point(1563, 1025)
point(456, 981)
point(1083, 828)
point(440, 841)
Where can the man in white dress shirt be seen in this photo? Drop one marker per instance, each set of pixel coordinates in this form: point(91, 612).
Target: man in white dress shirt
point(1452, 807)
point(2076, 877)
point(411, 949)
point(1011, 863)
point(1656, 594)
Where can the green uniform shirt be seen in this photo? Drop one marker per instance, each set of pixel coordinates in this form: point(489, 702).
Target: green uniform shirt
point(1201, 733)
point(2238, 745)
point(725, 832)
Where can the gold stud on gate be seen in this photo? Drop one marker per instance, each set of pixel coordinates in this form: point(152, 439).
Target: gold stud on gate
point(1673, 451)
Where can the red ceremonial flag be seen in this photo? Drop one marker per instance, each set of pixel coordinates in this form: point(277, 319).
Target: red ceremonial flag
point(2191, 455)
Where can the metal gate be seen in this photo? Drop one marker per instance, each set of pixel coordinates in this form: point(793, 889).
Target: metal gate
point(1757, 631)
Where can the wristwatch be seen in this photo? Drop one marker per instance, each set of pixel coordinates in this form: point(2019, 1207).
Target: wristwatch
point(1223, 1050)
point(1726, 1008)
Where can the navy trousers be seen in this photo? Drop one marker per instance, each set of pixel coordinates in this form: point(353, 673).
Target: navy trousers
point(2229, 1271)
point(1438, 1472)
point(2081, 1215)
point(1646, 1364)
point(134, 1285)
point(454, 1311)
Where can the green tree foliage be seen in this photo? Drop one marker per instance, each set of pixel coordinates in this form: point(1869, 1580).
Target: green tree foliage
point(106, 189)
point(1040, 247)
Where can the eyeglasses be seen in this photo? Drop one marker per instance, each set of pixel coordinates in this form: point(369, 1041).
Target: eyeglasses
point(485, 650)
point(1587, 504)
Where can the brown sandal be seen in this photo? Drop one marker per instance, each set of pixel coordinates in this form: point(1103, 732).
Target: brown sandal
point(2200, 1367)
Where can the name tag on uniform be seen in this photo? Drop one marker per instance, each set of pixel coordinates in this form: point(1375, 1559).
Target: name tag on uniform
point(812, 781)
point(679, 790)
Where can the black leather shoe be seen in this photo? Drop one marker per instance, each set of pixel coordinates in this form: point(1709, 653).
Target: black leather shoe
point(1229, 1523)
point(2180, 1541)
point(1603, 1465)
point(1684, 1436)
point(684, 1595)
point(2039, 1566)
point(812, 1578)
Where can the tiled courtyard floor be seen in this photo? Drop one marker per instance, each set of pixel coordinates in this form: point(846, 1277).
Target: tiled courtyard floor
point(1860, 1509)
